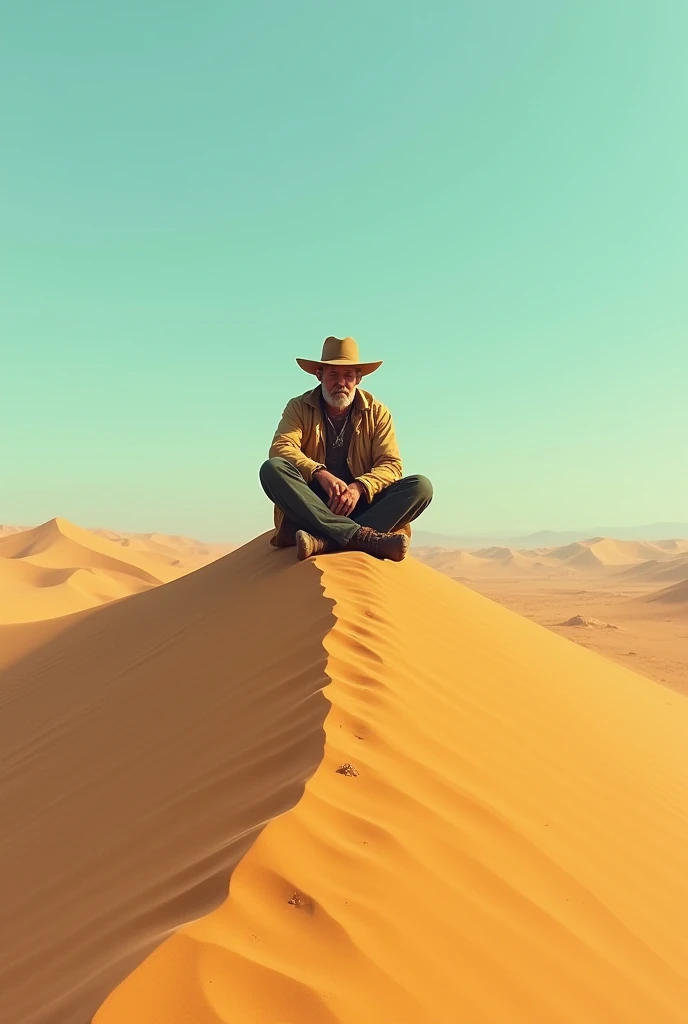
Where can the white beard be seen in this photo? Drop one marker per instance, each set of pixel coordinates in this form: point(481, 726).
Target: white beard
point(341, 401)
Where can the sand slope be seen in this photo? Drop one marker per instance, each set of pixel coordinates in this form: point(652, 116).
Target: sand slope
point(30, 592)
point(675, 594)
point(143, 744)
point(657, 571)
point(511, 851)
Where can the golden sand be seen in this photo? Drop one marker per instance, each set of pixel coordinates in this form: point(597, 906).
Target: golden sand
point(494, 830)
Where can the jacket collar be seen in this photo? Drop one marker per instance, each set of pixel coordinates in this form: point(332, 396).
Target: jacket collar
point(362, 399)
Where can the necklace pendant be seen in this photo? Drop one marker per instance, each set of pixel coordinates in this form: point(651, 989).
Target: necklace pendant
point(338, 438)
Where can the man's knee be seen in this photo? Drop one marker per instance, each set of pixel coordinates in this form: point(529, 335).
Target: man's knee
point(422, 487)
point(272, 469)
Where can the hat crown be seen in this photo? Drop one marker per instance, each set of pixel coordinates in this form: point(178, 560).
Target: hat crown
point(345, 349)
point(338, 352)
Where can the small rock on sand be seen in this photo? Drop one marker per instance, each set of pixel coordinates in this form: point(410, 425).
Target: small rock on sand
point(580, 620)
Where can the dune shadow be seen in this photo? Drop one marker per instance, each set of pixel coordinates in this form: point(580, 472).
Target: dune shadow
point(143, 747)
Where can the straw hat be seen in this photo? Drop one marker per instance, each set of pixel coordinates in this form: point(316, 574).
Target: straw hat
point(338, 352)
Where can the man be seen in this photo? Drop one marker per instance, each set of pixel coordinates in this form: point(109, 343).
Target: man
point(334, 470)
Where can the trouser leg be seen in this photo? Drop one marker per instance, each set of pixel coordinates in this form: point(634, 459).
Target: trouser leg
point(287, 489)
point(396, 505)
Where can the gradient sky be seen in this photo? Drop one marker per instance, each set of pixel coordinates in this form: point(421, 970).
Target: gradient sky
point(490, 196)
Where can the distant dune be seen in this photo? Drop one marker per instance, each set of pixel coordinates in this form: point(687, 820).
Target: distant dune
point(58, 542)
point(176, 550)
point(600, 551)
point(6, 529)
point(662, 532)
point(75, 568)
point(58, 568)
point(658, 571)
point(451, 562)
point(601, 555)
point(675, 594)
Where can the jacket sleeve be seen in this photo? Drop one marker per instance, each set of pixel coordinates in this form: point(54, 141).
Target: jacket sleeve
point(386, 458)
point(286, 444)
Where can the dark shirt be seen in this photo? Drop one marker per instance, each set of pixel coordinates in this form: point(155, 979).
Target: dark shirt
point(335, 458)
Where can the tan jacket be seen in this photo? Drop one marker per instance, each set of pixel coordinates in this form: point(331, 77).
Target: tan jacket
point(373, 455)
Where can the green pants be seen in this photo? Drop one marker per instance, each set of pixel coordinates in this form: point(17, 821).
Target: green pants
point(306, 504)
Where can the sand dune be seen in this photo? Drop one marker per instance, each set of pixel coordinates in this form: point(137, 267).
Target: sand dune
point(622, 552)
point(675, 594)
point(6, 529)
point(31, 592)
point(509, 559)
point(175, 550)
point(672, 545)
point(143, 744)
point(488, 562)
point(568, 551)
point(508, 847)
point(598, 555)
point(163, 551)
point(495, 832)
point(452, 563)
point(658, 571)
point(58, 568)
point(58, 543)
point(496, 553)
point(603, 551)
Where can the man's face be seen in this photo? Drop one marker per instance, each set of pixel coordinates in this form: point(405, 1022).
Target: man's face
point(339, 385)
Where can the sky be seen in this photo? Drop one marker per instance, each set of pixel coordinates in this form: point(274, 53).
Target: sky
point(489, 196)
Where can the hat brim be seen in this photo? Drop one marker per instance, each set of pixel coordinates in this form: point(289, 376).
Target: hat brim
point(313, 365)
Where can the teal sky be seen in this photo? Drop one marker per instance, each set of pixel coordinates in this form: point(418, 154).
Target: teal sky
point(490, 196)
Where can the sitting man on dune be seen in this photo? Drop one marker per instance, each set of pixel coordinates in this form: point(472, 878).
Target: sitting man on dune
point(334, 470)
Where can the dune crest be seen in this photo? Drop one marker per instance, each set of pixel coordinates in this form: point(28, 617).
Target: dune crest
point(508, 848)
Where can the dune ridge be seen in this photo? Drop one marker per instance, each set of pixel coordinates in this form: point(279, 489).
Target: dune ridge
point(507, 847)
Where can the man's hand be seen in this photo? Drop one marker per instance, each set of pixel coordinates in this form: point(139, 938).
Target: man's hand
point(331, 484)
point(348, 499)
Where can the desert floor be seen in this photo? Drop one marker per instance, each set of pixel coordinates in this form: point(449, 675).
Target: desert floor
point(630, 598)
point(649, 639)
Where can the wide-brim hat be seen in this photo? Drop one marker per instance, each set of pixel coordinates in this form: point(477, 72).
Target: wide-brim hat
point(338, 352)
